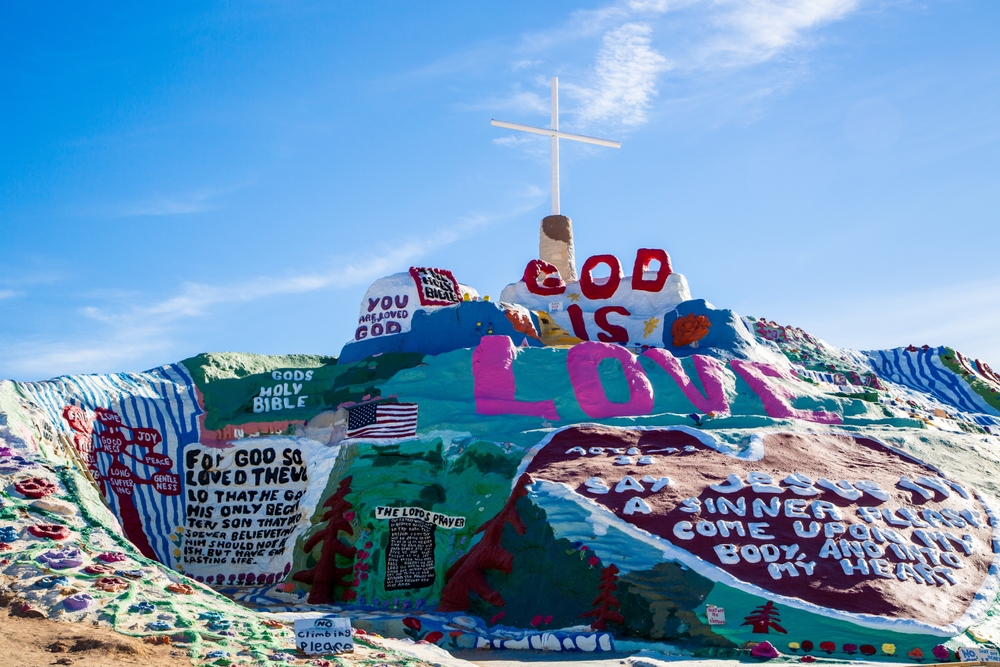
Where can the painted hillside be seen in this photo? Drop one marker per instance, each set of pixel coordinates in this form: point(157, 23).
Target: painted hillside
point(577, 466)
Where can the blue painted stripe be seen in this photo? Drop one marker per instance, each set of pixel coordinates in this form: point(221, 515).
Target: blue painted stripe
point(163, 399)
point(923, 371)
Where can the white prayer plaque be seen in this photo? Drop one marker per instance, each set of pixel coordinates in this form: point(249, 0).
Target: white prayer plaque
point(555, 306)
point(324, 635)
point(716, 615)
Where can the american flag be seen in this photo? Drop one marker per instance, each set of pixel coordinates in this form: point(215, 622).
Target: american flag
point(382, 420)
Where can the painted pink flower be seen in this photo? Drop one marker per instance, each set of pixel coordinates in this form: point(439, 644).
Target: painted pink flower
point(112, 557)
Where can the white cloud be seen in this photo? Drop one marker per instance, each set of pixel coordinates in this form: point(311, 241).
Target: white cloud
point(624, 78)
point(748, 32)
point(695, 37)
point(8, 294)
point(605, 57)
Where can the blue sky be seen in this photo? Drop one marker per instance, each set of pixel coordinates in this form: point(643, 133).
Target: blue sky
point(231, 177)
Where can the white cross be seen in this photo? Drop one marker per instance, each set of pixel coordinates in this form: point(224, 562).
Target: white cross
point(556, 136)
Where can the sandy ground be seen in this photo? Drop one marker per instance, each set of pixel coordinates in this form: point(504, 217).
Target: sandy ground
point(33, 642)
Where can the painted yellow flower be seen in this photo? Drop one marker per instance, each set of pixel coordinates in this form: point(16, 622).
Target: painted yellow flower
point(649, 326)
point(889, 649)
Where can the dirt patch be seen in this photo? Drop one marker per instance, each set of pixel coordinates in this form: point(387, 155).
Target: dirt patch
point(33, 642)
point(83, 643)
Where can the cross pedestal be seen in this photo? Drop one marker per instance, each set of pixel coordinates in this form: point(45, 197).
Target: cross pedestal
point(555, 246)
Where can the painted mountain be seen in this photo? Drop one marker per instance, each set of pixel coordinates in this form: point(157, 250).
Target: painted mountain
point(577, 466)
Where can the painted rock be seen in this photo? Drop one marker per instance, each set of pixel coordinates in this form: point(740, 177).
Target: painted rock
point(841, 522)
point(52, 581)
point(143, 607)
point(112, 557)
point(764, 650)
point(55, 506)
point(97, 568)
point(78, 602)
point(35, 487)
point(11, 463)
point(8, 534)
point(62, 559)
point(50, 531)
point(181, 589)
point(27, 611)
point(131, 574)
point(111, 584)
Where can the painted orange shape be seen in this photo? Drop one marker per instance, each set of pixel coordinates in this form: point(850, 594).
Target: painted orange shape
point(689, 329)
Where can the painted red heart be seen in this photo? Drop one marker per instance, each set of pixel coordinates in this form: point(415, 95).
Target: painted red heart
point(760, 502)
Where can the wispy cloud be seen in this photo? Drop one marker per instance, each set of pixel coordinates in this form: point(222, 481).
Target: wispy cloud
point(9, 294)
point(515, 140)
point(127, 334)
point(624, 78)
point(198, 201)
point(523, 101)
point(748, 32)
point(640, 40)
point(197, 299)
point(524, 64)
